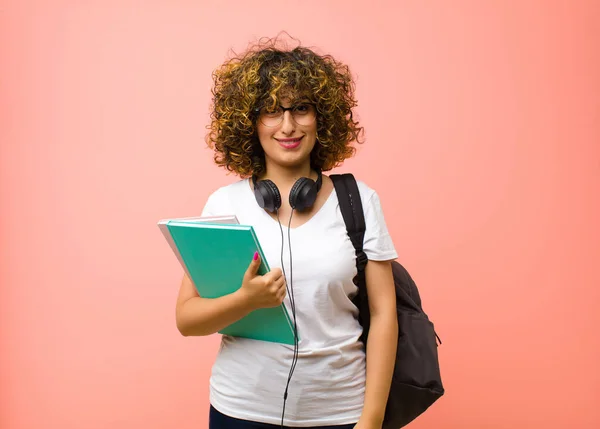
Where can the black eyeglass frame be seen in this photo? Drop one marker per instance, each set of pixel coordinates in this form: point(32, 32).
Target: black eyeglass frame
point(285, 109)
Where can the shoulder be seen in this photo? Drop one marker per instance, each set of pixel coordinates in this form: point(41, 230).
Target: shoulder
point(222, 197)
point(371, 203)
point(370, 200)
point(367, 193)
point(234, 189)
point(378, 244)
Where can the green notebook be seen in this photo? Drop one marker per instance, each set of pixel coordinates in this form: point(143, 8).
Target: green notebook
point(215, 254)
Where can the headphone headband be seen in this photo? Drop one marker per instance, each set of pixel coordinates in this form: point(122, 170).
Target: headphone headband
point(319, 181)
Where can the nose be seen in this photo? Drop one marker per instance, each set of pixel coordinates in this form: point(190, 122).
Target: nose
point(287, 123)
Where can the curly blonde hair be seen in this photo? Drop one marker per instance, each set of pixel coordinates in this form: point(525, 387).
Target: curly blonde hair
point(260, 77)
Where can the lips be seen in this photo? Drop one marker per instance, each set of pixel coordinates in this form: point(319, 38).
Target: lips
point(290, 143)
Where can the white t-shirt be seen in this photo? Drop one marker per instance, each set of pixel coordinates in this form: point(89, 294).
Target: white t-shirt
point(249, 377)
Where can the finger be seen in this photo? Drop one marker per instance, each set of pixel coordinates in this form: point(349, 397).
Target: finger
point(275, 286)
point(279, 283)
point(253, 267)
point(280, 288)
point(275, 274)
point(281, 294)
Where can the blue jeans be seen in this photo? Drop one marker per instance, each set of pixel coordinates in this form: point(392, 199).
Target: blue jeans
point(218, 420)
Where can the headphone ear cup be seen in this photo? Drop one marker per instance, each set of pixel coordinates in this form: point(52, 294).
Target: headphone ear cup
point(267, 195)
point(303, 194)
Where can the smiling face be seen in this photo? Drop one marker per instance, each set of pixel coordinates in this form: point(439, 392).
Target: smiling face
point(288, 134)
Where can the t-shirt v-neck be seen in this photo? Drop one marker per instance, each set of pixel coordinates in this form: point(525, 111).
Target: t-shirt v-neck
point(285, 222)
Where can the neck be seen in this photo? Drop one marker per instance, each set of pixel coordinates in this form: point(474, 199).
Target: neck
point(285, 177)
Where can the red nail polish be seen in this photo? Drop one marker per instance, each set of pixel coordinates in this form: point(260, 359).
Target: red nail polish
point(255, 256)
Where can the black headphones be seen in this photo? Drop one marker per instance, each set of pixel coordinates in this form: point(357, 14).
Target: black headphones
point(302, 195)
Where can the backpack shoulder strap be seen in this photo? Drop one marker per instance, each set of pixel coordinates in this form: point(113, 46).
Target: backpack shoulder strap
point(352, 211)
point(348, 195)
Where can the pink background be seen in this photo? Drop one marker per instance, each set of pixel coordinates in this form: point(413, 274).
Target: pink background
point(483, 140)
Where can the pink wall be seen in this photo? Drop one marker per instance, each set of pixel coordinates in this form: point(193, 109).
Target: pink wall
point(485, 117)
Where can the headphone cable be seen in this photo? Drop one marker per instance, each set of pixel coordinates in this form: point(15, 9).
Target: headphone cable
point(290, 290)
point(296, 345)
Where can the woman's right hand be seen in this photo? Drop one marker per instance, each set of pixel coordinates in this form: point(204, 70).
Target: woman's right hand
point(262, 291)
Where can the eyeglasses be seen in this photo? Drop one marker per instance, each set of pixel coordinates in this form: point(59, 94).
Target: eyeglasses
point(303, 114)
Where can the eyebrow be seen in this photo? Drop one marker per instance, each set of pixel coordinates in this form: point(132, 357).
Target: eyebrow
point(303, 100)
point(298, 102)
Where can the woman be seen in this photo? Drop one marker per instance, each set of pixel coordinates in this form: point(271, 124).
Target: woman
point(279, 119)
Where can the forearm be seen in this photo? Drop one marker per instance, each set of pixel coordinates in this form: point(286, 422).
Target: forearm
point(381, 356)
point(203, 316)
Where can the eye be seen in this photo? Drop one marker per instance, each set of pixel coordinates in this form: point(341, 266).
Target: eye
point(302, 108)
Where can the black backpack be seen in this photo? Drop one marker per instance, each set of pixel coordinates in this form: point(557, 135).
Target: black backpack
point(416, 382)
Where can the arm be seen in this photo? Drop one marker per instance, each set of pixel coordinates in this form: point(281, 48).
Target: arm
point(197, 316)
point(382, 342)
